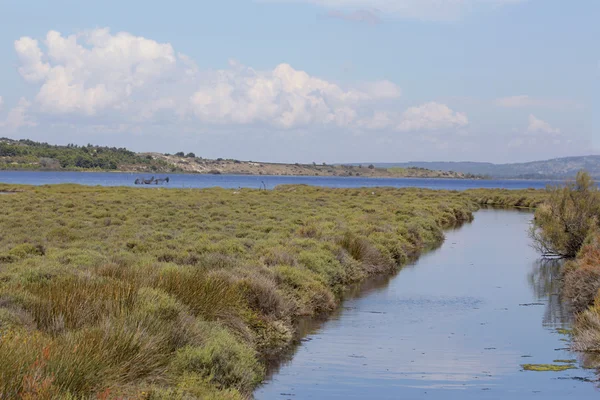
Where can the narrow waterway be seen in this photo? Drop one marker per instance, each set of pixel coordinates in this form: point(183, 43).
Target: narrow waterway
point(458, 324)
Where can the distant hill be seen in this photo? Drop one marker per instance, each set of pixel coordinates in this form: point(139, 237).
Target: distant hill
point(29, 155)
point(558, 168)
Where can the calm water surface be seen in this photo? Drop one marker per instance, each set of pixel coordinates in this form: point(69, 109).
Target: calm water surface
point(455, 325)
point(246, 181)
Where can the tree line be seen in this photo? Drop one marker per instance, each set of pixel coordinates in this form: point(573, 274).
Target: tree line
point(72, 155)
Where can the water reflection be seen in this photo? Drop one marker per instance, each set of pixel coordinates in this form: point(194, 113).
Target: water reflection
point(545, 280)
point(306, 327)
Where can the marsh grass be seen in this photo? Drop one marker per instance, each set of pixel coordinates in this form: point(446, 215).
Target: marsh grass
point(71, 302)
point(160, 294)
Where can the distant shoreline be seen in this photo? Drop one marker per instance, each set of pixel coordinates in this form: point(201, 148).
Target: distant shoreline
point(147, 174)
point(28, 155)
point(162, 173)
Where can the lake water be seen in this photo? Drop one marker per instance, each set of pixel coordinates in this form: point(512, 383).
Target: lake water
point(458, 324)
point(246, 181)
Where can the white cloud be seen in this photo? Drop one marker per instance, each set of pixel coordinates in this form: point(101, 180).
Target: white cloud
point(17, 117)
point(99, 74)
point(382, 90)
point(1, 103)
point(284, 97)
point(430, 117)
point(537, 126)
point(524, 101)
point(378, 121)
point(440, 10)
point(92, 71)
point(32, 68)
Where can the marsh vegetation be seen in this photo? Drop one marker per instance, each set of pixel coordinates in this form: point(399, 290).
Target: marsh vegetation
point(184, 293)
point(167, 293)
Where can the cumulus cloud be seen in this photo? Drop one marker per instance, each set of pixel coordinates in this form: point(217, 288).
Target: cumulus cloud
point(440, 10)
point(430, 117)
point(524, 101)
point(366, 16)
point(126, 80)
point(382, 90)
point(96, 73)
point(92, 71)
point(17, 117)
point(536, 126)
point(284, 97)
point(30, 55)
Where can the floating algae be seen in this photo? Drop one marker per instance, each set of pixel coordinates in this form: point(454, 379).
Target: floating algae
point(547, 367)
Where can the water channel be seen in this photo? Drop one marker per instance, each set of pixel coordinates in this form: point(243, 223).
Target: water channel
point(457, 324)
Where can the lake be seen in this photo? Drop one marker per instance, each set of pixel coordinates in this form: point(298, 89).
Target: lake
point(457, 324)
point(252, 181)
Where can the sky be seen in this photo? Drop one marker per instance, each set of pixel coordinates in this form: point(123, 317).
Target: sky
point(306, 80)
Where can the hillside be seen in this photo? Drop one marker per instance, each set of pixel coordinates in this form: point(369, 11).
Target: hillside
point(30, 155)
point(558, 168)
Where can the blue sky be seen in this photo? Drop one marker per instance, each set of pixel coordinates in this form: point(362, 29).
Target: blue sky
point(306, 80)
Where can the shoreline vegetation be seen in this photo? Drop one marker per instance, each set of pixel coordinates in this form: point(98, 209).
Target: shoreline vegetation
point(182, 294)
point(27, 155)
point(567, 226)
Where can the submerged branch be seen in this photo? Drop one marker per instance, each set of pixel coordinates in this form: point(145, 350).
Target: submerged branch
point(554, 256)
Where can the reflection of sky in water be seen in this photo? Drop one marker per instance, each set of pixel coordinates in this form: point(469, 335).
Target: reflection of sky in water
point(544, 280)
point(452, 326)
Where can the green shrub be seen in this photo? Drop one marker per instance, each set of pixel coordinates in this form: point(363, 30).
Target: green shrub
point(222, 359)
point(26, 250)
point(308, 293)
point(193, 386)
point(570, 214)
point(261, 294)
